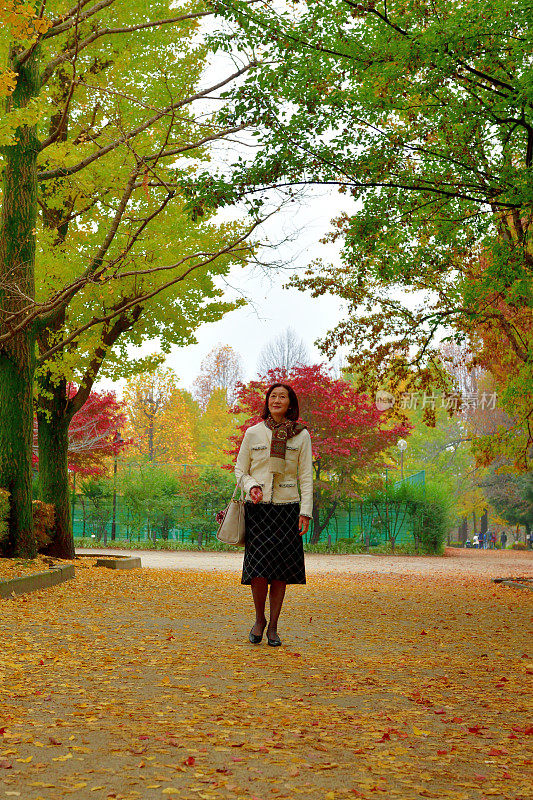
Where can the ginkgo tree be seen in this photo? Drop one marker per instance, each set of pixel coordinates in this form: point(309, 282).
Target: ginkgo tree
point(105, 120)
point(349, 433)
point(216, 427)
point(158, 418)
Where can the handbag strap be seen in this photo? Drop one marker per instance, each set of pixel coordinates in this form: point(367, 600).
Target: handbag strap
point(235, 490)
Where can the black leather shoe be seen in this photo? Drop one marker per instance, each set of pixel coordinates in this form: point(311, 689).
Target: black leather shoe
point(275, 642)
point(254, 638)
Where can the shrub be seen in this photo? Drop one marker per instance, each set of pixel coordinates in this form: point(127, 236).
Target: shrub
point(43, 523)
point(455, 544)
point(427, 507)
point(518, 546)
point(4, 514)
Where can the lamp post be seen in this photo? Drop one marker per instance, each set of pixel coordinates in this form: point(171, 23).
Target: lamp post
point(402, 446)
point(116, 441)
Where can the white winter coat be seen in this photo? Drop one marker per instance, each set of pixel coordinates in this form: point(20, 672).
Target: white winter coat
point(252, 467)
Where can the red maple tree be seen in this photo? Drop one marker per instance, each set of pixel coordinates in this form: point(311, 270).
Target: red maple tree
point(349, 433)
point(93, 433)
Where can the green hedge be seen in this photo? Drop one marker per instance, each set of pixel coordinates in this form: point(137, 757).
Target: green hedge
point(338, 548)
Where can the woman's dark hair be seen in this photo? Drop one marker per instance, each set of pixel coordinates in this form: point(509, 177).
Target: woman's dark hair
point(293, 412)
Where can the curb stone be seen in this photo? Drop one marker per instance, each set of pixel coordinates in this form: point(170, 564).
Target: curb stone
point(119, 562)
point(37, 581)
point(519, 583)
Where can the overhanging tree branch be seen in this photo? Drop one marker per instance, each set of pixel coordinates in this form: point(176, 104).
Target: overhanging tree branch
point(60, 172)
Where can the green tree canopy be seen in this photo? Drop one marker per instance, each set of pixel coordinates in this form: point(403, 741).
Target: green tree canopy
point(422, 114)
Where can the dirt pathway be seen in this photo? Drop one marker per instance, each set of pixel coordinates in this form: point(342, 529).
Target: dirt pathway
point(491, 563)
point(143, 685)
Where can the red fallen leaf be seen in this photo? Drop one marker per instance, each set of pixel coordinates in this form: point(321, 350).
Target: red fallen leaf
point(144, 737)
point(476, 729)
point(442, 752)
point(2, 731)
point(358, 750)
point(469, 613)
point(41, 662)
point(478, 777)
point(296, 655)
point(512, 736)
point(238, 744)
point(503, 679)
point(457, 719)
point(5, 764)
point(52, 740)
point(233, 758)
point(528, 730)
point(385, 737)
point(423, 633)
point(190, 761)
point(170, 637)
point(506, 775)
point(497, 751)
point(439, 711)
point(529, 671)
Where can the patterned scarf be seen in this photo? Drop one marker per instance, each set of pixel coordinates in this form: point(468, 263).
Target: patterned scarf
point(281, 431)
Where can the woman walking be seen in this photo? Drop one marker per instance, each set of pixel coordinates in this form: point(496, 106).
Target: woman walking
point(275, 455)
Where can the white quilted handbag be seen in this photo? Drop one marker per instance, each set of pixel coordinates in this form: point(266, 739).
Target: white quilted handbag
point(231, 529)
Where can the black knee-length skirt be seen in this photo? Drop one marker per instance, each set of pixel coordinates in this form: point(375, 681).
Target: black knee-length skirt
point(273, 548)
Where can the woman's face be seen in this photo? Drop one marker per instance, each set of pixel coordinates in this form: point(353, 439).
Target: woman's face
point(278, 402)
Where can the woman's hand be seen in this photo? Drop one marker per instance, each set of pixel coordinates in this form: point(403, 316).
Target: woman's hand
point(303, 525)
point(256, 494)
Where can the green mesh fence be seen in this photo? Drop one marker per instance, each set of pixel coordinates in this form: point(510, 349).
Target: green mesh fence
point(370, 524)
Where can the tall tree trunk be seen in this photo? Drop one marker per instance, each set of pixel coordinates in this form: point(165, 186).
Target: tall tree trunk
point(17, 289)
point(53, 424)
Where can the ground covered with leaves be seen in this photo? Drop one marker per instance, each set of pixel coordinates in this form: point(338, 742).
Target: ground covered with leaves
point(18, 567)
point(143, 685)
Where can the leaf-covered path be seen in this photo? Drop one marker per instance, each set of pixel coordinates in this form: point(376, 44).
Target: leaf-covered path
point(144, 685)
